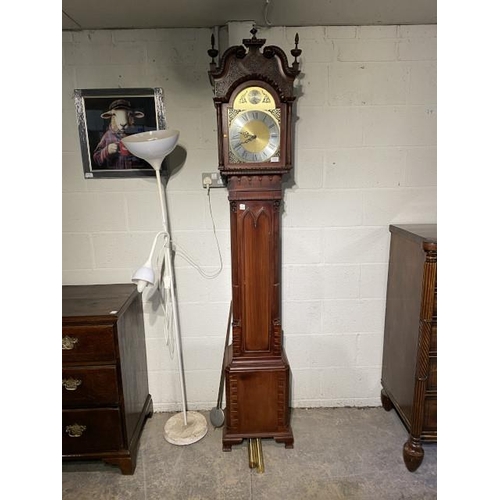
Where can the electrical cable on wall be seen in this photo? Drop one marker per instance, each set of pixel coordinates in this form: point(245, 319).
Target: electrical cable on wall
point(164, 288)
point(266, 8)
point(268, 23)
point(178, 249)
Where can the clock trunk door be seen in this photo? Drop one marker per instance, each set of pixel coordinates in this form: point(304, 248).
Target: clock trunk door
point(257, 280)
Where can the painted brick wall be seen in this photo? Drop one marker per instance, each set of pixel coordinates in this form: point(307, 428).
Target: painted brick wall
point(365, 157)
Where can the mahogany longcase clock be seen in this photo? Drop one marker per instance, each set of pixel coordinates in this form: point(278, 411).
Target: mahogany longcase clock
point(253, 97)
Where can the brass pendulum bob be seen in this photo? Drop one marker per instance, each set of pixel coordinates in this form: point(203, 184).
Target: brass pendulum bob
point(255, 455)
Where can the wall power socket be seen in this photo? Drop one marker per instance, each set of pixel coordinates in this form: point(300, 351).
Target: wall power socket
point(212, 180)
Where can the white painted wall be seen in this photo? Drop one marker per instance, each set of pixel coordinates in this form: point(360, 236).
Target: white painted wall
point(365, 157)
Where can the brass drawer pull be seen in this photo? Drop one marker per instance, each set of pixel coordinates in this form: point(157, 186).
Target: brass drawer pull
point(75, 430)
point(69, 343)
point(71, 384)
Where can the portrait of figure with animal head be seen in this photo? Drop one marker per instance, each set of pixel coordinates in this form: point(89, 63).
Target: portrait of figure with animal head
point(105, 117)
point(110, 152)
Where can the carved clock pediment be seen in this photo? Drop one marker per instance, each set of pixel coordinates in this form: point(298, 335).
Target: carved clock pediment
point(264, 142)
point(248, 61)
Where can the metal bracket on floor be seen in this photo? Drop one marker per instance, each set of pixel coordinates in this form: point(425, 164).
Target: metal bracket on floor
point(255, 455)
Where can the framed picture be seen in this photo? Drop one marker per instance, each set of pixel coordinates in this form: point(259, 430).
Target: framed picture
point(104, 117)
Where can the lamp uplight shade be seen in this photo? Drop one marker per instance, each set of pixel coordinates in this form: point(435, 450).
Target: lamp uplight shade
point(152, 146)
point(144, 276)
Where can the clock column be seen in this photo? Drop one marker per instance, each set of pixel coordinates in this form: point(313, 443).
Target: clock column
point(256, 368)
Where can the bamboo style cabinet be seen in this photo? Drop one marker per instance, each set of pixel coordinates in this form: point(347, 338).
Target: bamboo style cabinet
point(409, 366)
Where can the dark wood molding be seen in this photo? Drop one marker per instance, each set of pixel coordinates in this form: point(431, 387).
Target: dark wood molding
point(105, 395)
point(409, 366)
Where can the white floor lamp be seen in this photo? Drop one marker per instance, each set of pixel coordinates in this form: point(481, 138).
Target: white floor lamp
point(187, 427)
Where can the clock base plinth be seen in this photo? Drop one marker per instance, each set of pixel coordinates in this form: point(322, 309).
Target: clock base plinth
point(257, 400)
point(229, 440)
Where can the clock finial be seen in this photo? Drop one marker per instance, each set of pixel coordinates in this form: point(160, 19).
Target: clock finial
point(253, 43)
point(296, 53)
point(213, 52)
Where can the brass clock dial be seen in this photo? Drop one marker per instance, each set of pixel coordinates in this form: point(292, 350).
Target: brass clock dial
point(254, 98)
point(254, 136)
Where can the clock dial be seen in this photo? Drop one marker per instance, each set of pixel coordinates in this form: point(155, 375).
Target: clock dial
point(254, 98)
point(254, 136)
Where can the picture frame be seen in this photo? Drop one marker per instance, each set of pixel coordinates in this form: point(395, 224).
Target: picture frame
point(104, 116)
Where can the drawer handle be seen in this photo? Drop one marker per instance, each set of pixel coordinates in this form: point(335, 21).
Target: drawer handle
point(69, 343)
point(75, 430)
point(71, 384)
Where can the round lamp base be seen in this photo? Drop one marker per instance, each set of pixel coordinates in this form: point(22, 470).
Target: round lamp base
point(175, 432)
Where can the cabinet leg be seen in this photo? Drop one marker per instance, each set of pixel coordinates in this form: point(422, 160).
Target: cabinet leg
point(288, 441)
point(126, 465)
point(413, 454)
point(149, 411)
point(386, 401)
point(227, 443)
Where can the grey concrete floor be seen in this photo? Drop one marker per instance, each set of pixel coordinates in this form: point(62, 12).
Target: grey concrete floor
point(339, 453)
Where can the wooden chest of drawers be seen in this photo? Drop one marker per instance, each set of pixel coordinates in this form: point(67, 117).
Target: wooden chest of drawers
point(105, 395)
point(409, 366)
